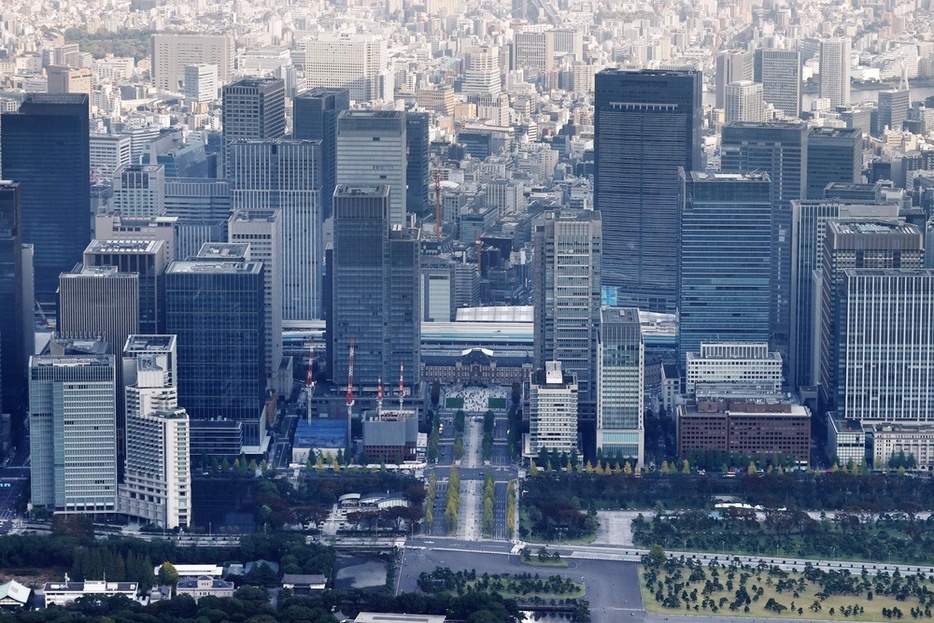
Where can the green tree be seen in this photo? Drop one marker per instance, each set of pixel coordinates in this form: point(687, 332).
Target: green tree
point(168, 574)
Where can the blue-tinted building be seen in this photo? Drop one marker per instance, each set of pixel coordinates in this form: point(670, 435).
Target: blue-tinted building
point(647, 124)
point(314, 114)
point(417, 126)
point(726, 248)
point(216, 309)
point(46, 148)
point(13, 325)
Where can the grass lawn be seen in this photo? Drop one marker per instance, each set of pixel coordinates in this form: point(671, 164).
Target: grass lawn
point(497, 403)
point(453, 403)
point(873, 609)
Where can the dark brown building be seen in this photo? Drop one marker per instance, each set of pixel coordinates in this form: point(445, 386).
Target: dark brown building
point(745, 428)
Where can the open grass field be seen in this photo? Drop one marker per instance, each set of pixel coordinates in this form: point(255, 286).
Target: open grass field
point(831, 608)
point(497, 403)
point(454, 403)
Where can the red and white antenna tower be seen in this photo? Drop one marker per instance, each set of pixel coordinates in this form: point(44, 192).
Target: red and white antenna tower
point(379, 396)
point(310, 373)
point(350, 400)
point(401, 383)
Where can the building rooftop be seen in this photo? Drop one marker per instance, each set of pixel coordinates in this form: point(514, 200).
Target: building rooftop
point(137, 343)
point(869, 228)
point(218, 267)
point(346, 190)
point(718, 176)
point(385, 617)
point(226, 250)
point(510, 313)
point(141, 168)
point(247, 216)
point(124, 247)
point(71, 361)
point(822, 132)
point(321, 433)
point(90, 587)
point(620, 315)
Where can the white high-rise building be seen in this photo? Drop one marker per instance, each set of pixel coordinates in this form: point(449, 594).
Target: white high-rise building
point(372, 150)
point(157, 478)
point(552, 410)
point(285, 175)
point(201, 82)
point(482, 73)
point(886, 338)
point(345, 61)
point(743, 101)
point(620, 384)
point(739, 370)
point(172, 53)
point(73, 432)
point(834, 70)
point(139, 190)
point(262, 230)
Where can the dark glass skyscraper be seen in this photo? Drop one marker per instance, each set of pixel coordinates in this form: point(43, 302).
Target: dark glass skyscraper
point(13, 360)
point(726, 226)
point(46, 148)
point(778, 148)
point(418, 143)
point(217, 310)
point(647, 125)
point(254, 108)
point(315, 118)
point(834, 155)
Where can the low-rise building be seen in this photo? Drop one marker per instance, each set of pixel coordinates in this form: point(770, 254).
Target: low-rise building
point(390, 440)
point(304, 584)
point(388, 617)
point(195, 571)
point(204, 586)
point(846, 440)
point(65, 593)
point(13, 595)
point(319, 437)
point(914, 439)
point(758, 429)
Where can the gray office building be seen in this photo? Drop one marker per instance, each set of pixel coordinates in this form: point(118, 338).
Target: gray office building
point(621, 385)
point(834, 155)
point(15, 327)
point(567, 279)
point(314, 118)
point(72, 433)
point(254, 108)
point(779, 72)
point(732, 66)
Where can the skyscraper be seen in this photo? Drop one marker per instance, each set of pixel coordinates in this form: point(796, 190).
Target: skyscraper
point(862, 244)
point(835, 70)
point(779, 71)
point(157, 481)
point(345, 61)
point(778, 148)
point(315, 115)
point(46, 149)
point(172, 53)
point(262, 230)
point(217, 310)
point(743, 101)
point(285, 175)
point(732, 66)
point(834, 155)
point(620, 384)
point(726, 248)
point(146, 258)
point(98, 302)
point(139, 190)
point(885, 366)
point(201, 83)
point(13, 353)
point(892, 110)
point(72, 433)
point(647, 124)
point(418, 155)
point(375, 298)
point(482, 73)
point(371, 151)
point(566, 277)
point(809, 220)
point(254, 108)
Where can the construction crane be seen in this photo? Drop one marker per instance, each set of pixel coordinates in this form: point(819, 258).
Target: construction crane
point(379, 396)
point(310, 372)
point(350, 400)
point(45, 319)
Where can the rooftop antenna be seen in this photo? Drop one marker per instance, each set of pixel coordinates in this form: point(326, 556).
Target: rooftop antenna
point(401, 383)
point(379, 396)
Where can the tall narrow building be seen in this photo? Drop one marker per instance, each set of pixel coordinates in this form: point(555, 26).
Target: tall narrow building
point(553, 415)
point(647, 124)
point(157, 474)
point(285, 175)
point(46, 148)
point(375, 296)
point(834, 70)
point(262, 230)
point(418, 160)
point(72, 433)
point(778, 148)
point(566, 277)
point(779, 72)
point(621, 385)
point(371, 151)
point(13, 346)
point(732, 66)
point(314, 118)
point(743, 101)
point(726, 249)
point(834, 155)
point(254, 108)
point(139, 190)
